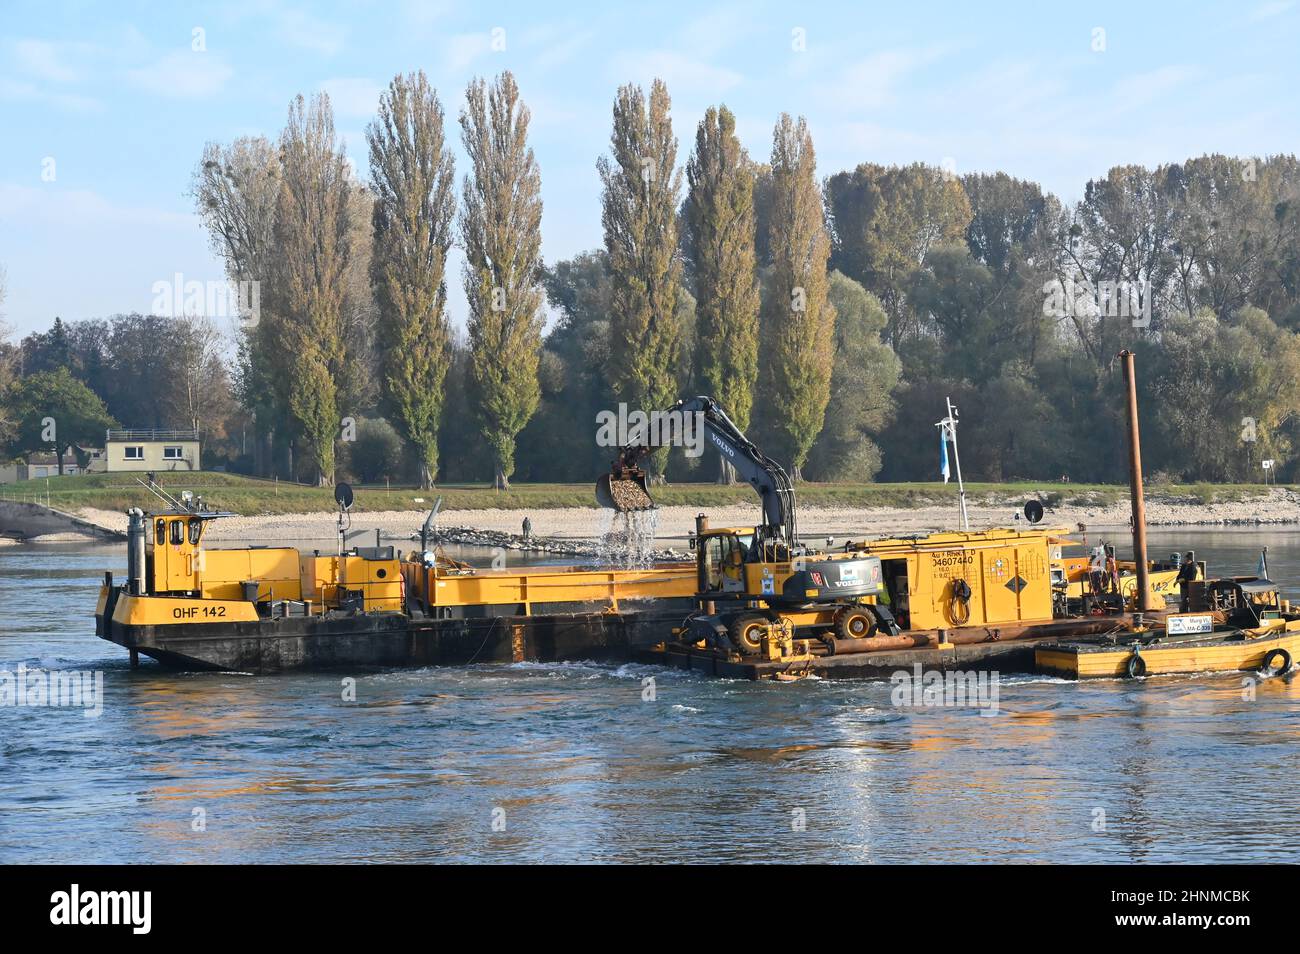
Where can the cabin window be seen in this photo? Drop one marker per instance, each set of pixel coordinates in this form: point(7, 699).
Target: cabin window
point(135, 452)
point(172, 453)
point(196, 530)
point(160, 534)
point(178, 532)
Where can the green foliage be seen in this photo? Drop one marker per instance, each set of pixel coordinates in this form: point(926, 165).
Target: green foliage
point(501, 228)
point(885, 221)
point(79, 416)
point(558, 443)
point(720, 223)
point(412, 175)
point(313, 231)
point(798, 320)
point(1221, 392)
point(863, 378)
point(376, 453)
point(639, 214)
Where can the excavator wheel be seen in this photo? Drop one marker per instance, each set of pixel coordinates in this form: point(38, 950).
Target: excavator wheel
point(854, 622)
point(747, 631)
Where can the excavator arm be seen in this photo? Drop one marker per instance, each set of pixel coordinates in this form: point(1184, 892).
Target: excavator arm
point(624, 487)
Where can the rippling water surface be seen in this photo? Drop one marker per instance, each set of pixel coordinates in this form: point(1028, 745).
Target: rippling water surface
point(575, 766)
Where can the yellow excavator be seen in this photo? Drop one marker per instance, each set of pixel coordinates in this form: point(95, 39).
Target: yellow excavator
point(758, 587)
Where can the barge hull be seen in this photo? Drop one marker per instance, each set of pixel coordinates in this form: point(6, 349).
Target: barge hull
point(396, 640)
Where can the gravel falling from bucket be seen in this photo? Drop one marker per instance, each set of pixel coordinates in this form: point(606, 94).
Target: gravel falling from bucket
point(627, 539)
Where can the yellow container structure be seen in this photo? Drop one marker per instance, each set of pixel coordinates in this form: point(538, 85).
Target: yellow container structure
point(973, 578)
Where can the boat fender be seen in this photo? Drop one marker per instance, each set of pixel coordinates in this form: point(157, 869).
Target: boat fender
point(1137, 666)
point(1276, 661)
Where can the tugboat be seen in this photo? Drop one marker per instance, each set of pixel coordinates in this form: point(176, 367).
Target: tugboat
point(1235, 623)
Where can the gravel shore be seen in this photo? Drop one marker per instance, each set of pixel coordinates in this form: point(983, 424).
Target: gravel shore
point(1278, 506)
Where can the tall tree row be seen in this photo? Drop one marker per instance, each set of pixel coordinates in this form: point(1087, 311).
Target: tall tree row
point(798, 318)
point(720, 224)
point(314, 237)
point(413, 175)
point(236, 191)
point(639, 214)
point(501, 228)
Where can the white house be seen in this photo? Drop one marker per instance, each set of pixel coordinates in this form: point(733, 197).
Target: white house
point(151, 450)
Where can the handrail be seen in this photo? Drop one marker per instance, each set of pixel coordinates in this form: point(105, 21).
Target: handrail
point(150, 434)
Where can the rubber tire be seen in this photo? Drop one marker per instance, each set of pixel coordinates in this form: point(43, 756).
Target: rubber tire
point(855, 622)
point(1266, 666)
point(741, 629)
point(1137, 666)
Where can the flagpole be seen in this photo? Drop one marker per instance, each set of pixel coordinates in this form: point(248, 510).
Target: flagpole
point(948, 428)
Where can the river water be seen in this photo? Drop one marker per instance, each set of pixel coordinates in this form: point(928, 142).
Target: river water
point(587, 762)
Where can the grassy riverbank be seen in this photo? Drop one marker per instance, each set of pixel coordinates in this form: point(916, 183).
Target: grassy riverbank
point(117, 492)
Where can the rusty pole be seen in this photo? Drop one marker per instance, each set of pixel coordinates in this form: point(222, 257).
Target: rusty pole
point(1135, 487)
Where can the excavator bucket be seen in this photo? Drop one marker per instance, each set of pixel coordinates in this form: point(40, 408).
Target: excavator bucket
point(624, 492)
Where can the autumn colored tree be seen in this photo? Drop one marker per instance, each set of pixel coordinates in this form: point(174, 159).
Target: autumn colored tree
point(501, 228)
point(798, 320)
point(639, 215)
point(236, 191)
point(413, 178)
point(313, 234)
point(720, 221)
point(885, 220)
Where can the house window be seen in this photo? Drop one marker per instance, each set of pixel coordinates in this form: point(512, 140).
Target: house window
point(133, 453)
point(172, 453)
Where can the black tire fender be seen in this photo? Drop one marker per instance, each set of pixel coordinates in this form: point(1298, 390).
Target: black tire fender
point(1137, 666)
point(1281, 657)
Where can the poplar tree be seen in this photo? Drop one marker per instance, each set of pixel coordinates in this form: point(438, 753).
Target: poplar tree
point(312, 231)
point(501, 228)
point(720, 220)
point(413, 177)
point(236, 191)
point(639, 216)
point(798, 319)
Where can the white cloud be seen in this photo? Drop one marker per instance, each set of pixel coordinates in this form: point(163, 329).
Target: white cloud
point(22, 91)
point(183, 75)
point(81, 208)
point(871, 83)
point(1266, 11)
point(310, 32)
point(1142, 89)
point(558, 52)
point(353, 96)
point(43, 59)
point(461, 50)
point(679, 72)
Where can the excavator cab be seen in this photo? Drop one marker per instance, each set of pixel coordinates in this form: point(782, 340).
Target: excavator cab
point(721, 554)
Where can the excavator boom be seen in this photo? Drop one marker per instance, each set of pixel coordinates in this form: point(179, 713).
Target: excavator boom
point(625, 487)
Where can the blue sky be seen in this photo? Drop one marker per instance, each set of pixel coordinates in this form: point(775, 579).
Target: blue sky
point(117, 97)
